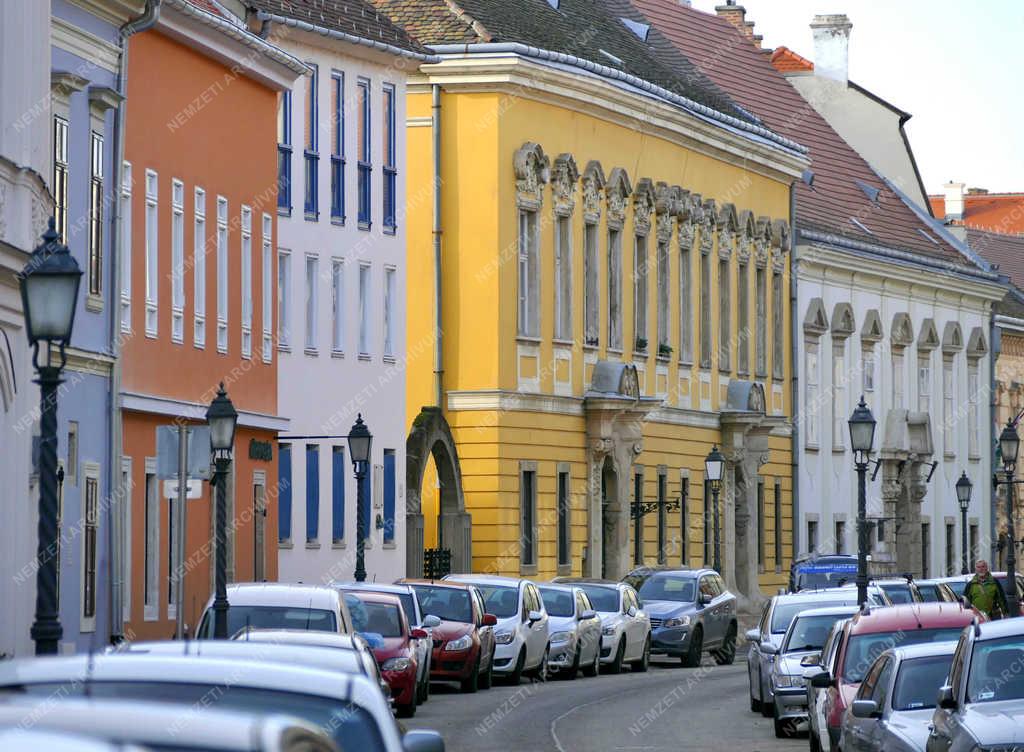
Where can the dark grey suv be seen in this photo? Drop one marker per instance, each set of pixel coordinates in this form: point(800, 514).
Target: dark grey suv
point(691, 612)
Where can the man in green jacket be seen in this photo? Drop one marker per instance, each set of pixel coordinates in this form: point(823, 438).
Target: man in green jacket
point(985, 593)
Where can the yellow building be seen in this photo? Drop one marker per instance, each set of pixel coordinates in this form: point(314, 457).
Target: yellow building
point(614, 301)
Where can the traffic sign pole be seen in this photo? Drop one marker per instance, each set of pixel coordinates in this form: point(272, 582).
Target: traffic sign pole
point(179, 575)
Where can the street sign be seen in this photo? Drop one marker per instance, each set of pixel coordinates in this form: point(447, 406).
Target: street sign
point(198, 452)
point(195, 489)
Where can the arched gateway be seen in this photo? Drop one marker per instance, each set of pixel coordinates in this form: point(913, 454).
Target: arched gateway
point(431, 436)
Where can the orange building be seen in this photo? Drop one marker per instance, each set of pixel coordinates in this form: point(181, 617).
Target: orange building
point(198, 283)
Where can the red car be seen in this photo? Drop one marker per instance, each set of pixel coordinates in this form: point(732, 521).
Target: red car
point(383, 615)
point(869, 634)
point(464, 641)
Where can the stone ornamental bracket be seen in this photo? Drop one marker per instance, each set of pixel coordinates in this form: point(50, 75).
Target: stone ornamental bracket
point(763, 245)
point(593, 183)
point(643, 206)
point(617, 192)
point(708, 225)
point(687, 216)
point(728, 227)
point(564, 176)
point(667, 199)
point(533, 171)
point(748, 231)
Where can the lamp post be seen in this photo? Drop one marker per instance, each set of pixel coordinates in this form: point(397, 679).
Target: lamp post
point(1009, 444)
point(862, 438)
point(49, 295)
point(222, 417)
point(963, 495)
point(359, 442)
point(714, 466)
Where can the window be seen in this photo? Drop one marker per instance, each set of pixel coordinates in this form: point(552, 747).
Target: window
point(684, 520)
point(761, 324)
point(60, 176)
point(840, 414)
point(96, 218)
point(267, 278)
point(90, 519)
point(705, 310)
point(924, 383)
point(778, 526)
point(664, 348)
point(926, 549)
point(760, 525)
point(338, 306)
point(199, 269)
point(529, 273)
point(662, 515)
point(564, 520)
point(390, 297)
point(312, 492)
point(947, 405)
point(126, 244)
point(337, 494)
point(390, 491)
point(337, 147)
point(592, 302)
point(284, 152)
point(527, 515)
point(312, 294)
point(685, 307)
point(867, 369)
point(152, 256)
point(284, 299)
point(951, 563)
point(972, 408)
point(811, 379)
point(812, 536)
point(71, 469)
point(563, 278)
point(840, 536)
point(222, 274)
point(246, 282)
point(743, 317)
point(614, 289)
point(638, 519)
point(778, 337)
point(284, 493)
point(152, 547)
point(724, 324)
point(390, 159)
point(708, 522)
point(640, 293)
point(364, 309)
point(898, 381)
point(364, 151)
point(371, 479)
point(177, 261)
point(312, 148)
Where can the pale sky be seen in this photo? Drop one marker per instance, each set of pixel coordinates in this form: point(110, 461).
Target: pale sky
point(957, 67)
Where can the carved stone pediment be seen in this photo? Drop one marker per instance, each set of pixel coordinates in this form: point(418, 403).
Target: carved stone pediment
point(643, 206)
point(617, 192)
point(533, 171)
point(564, 176)
point(708, 225)
point(666, 199)
point(728, 228)
point(593, 183)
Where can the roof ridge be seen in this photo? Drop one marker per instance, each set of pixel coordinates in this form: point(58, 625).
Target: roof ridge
point(462, 15)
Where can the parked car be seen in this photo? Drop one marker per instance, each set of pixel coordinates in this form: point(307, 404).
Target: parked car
point(766, 638)
point(397, 655)
point(691, 612)
point(18, 739)
point(521, 634)
point(574, 630)
point(277, 605)
point(349, 705)
point(800, 647)
point(136, 725)
point(893, 707)
point(871, 633)
point(417, 620)
point(817, 727)
point(936, 591)
point(1001, 578)
point(464, 640)
point(816, 571)
point(899, 589)
point(625, 626)
point(981, 707)
point(957, 583)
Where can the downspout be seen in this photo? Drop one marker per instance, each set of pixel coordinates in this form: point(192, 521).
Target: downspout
point(119, 246)
point(435, 125)
point(995, 347)
point(794, 385)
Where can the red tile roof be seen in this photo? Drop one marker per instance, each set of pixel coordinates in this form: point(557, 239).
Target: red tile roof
point(787, 61)
point(1005, 250)
point(835, 198)
point(997, 212)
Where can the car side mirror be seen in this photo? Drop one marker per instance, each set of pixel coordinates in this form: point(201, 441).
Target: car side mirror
point(865, 709)
point(631, 611)
point(753, 635)
point(588, 614)
point(422, 740)
point(822, 680)
point(489, 620)
point(813, 659)
point(706, 598)
point(430, 621)
point(419, 634)
point(946, 698)
point(768, 649)
point(534, 616)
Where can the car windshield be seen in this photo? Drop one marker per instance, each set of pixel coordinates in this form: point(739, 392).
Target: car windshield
point(603, 599)
point(864, 648)
point(808, 633)
point(929, 592)
point(558, 602)
point(406, 599)
point(669, 588)
point(271, 617)
point(446, 603)
point(957, 586)
point(783, 613)
point(351, 727)
point(819, 576)
point(898, 592)
point(996, 670)
point(383, 619)
point(500, 600)
point(918, 681)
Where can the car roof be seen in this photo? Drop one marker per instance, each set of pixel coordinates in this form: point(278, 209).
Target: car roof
point(258, 650)
point(565, 587)
point(829, 611)
point(589, 581)
point(954, 578)
point(489, 579)
point(377, 587)
point(309, 637)
point(993, 630)
point(282, 594)
point(682, 573)
point(891, 581)
point(925, 650)
point(16, 737)
point(371, 597)
point(440, 583)
point(908, 616)
point(828, 594)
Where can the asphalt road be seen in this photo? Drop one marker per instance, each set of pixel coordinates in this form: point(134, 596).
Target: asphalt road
point(668, 708)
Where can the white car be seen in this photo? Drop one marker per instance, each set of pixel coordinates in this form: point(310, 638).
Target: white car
point(521, 634)
point(277, 605)
point(350, 706)
point(625, 628)
point(574, 630)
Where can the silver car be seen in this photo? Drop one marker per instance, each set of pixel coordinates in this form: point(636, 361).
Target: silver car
point(626, 628)
point(893, 707)
point(574, 631)
point(982, 705)
point(817, 730)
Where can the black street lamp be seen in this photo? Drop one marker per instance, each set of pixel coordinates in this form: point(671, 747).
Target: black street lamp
point(714, 467)
point(862, 438)
point(963, 495)
point(359, 442)
point(1009, 444)
point(49, 295)
point(223, 418)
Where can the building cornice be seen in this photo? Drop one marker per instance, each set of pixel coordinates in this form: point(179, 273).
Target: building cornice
point(82, 44)
point(117, 12)
point(1010, 323)
point(88, 362)
point(148, 403)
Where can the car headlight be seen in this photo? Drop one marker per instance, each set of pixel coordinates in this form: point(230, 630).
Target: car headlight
point(677, 621)
point(608, 630)
point(504, 638)
point(461, 643)
point(396, 664)
point(561, 636)
point(785, 681)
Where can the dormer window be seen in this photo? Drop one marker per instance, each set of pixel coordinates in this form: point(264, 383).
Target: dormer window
point(638, 28)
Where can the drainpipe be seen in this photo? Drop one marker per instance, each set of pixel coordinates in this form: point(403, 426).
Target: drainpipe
point(995, 347)
point(116, 532)
point(794, 384)
point(435, 125)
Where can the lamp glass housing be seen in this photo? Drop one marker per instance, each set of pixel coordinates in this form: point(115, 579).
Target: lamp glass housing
point(223, 419)
point(862, 429)
point(1009, 444)
point(714, 466)
point(963, 491)
point(359, 442)
point(49, 291)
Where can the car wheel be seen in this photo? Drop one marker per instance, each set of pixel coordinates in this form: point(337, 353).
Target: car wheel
point(487, 680)
point(517, 673)
point(472, 682)
point(768, 708)
point(783, 730)
point(407, 710)
point(755, 705)
point(595, 668)
point(692, 657)
point(641, 665)
point(727, 653)
point(541, 672)
point(574, 669)
point(813, 740)
point(615, 666)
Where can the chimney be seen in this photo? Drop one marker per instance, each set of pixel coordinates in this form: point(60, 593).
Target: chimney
point(954, 201)
point(832, 46)
point(737, 16)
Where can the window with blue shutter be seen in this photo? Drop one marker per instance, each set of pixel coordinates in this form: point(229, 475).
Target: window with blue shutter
point(338, 494)
point(389, 495)
point(368, 505)
point(284, 493)
point(312, 492)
